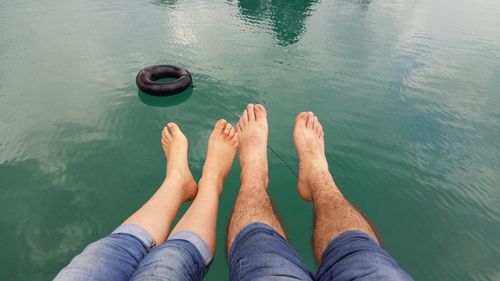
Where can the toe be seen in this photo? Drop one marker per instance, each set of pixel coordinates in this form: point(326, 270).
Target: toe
point(315, 123)
point(227, 128)
point(220, 125)
point(232, 132)
point(251, 112)
point(234, 139)
point(239, 126)
point(260, 111)
point(318, 128)
point(166, 134)
point(244, 118)
point(301, 118)
point(310, 119)
point(174, 129)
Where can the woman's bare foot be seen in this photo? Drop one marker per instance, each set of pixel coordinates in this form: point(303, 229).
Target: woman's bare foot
point(222, 146)
point(252, 150)
point(175, 146)
point(308, 137)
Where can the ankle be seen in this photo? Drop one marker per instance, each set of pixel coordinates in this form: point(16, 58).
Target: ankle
point(328, 192)
point(253, 169)
point(253, 190)
point(313, 157)
point(211, 182)
point(254, 177)
point(255, 158)
point(254, 185)
point(173, 181)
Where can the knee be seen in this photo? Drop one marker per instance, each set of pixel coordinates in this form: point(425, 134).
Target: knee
point(172, 260)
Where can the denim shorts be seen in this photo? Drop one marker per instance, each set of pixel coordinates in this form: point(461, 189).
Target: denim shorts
point(260, 253)
point(130, 253)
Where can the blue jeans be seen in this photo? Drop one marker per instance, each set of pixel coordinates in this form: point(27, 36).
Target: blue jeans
point(260, 253)
point(129, 253)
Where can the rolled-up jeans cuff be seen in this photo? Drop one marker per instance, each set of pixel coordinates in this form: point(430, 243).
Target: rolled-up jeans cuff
point(139, 232)
point(197, 242)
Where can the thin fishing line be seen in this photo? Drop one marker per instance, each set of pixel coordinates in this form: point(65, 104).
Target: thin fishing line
point(268, 146)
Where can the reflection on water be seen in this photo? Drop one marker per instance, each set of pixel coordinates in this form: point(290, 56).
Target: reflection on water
point(166, 3)
point(287, 18)
point(362, 4)
point(407, 92)
point(166, 101)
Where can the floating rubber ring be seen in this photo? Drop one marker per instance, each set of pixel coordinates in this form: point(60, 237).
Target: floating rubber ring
point(147, 76)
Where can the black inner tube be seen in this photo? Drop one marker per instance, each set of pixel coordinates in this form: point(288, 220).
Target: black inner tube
point(147, 76)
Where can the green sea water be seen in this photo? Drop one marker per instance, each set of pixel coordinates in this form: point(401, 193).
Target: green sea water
point(408, 93)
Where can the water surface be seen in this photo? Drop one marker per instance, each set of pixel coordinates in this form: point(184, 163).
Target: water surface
point(408, 92)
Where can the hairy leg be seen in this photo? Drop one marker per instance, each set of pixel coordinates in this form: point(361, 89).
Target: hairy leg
point(201, 217)
point(253, 203)
point(334, 215)
point(158, 213)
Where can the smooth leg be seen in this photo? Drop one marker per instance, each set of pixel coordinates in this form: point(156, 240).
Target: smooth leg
point(190, 247)
point(158, 213)
point(201, 217)
point(117, 256)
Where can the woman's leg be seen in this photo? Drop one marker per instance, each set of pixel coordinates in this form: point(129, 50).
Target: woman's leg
point(190, 247)
point(157, 215)
point(117, 256)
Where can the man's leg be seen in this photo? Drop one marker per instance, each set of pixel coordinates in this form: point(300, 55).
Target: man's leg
point(117, 256)
point(256, 241)
point(253, 203)
point(344, 242)
point(190, 247)
point(333, 213)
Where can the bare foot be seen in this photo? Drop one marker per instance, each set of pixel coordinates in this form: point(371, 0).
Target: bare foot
point(222, 146)
point(252, 150)
point(175, 146)
point(308, 137)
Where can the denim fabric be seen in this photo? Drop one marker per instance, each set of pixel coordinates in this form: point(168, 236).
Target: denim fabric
point(114, 257)
point(353, 255)
point(260, 253)
point(137, 231)
point(125, 254)
point(197, 241)
point(174, 260)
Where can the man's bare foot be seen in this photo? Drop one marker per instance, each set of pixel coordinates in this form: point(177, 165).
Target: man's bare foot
point(308, 137)
point(252, 150)
point(222, 146)
point(175, 146)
